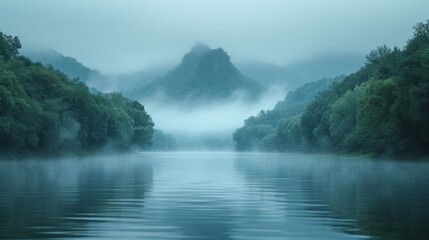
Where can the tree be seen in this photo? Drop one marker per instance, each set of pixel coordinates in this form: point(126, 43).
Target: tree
point(420, 38)
point(9, 46)
point(377, 126)
point(289, 134)
point(342, 120)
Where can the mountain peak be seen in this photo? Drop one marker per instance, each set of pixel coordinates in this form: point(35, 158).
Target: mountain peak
point(192, 57)
point(217, 64)
point(205, 74)
point(217, 54)
point(200, 47)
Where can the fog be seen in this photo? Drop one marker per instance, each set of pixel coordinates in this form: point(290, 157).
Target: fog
point(123, 36)
point(213, 118)
point(209, 126)
point(126, 39)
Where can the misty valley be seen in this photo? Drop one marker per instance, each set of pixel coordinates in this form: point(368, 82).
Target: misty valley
point(214, 146)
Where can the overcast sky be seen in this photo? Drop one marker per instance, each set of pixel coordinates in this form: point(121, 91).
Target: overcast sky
point(119, 35)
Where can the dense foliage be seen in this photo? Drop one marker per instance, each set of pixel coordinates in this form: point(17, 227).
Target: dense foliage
point(43, 111)
point(379, 110)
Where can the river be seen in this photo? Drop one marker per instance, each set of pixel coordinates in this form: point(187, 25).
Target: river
point(214, 195)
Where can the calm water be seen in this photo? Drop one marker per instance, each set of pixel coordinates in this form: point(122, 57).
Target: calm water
point(208, 195)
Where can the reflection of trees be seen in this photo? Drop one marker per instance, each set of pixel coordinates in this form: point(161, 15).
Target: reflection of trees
point(60, 196)
point(389, 200)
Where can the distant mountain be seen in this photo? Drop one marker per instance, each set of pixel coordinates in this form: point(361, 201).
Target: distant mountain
point(131, 83)
point(204, 74)
point(68, 65)
point(125, 83)
point(296, 74)
point(263, 72)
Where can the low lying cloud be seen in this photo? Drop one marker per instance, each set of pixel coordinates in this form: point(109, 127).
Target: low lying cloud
point(210, 119)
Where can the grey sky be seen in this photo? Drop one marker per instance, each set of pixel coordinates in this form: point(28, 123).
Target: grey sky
point(119, 35)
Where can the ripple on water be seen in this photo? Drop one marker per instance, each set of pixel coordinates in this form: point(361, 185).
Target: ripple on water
point(208, 195)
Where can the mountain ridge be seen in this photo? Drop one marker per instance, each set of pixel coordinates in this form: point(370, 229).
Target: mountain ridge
point(66, 64)
point(204, 74)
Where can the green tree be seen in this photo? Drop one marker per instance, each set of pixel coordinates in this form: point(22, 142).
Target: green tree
point(290, 135)
point(342, 120)
point(9, 46)
point(376, 124)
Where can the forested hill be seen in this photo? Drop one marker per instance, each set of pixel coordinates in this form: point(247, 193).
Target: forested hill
point(204, 75)
point(379, 110)
point(260, 132)
point(42, 111)
point(68, 65)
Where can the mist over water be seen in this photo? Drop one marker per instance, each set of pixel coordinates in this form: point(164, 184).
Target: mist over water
point(197, 124)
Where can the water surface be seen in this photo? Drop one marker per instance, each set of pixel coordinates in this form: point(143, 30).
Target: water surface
point(214, 195)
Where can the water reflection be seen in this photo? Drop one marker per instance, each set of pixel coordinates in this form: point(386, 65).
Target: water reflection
point(214, 196)
point(61, 198)
point(388, 200)
point(194, 194)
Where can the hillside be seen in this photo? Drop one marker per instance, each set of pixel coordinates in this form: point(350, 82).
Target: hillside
point(297, 73)
point(68, 65)
point(259, 131)
point(379, 110)
point(205, 75)
point(42, 111)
